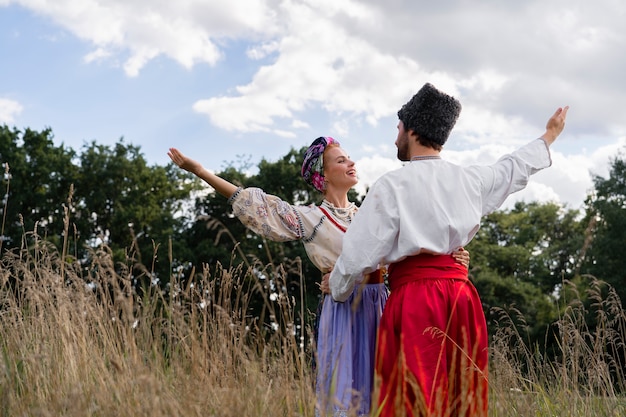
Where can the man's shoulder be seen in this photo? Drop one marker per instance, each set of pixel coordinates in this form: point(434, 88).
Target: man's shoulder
point(390, 177)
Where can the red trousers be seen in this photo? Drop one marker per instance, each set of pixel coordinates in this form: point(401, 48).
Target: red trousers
point(432, 353)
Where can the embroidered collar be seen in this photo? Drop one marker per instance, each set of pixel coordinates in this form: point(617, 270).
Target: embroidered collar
point(344, 213)
point(425, 157)
point(333, 221)
point(339, 216)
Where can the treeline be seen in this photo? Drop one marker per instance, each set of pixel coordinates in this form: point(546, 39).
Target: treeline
point(528, 263)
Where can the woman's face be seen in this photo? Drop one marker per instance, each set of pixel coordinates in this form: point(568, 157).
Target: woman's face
point(339, 170)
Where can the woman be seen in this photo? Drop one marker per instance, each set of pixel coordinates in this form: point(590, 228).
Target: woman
point(346, 338)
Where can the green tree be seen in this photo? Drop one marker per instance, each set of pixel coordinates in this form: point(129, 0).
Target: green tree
point(37, 179)
point(520, 258)
point(606, 217)
point(130, 206)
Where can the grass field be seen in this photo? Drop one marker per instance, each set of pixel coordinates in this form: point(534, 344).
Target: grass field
point(78, 341)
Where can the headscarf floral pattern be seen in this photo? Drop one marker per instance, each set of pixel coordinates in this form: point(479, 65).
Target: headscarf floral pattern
point(313, 164)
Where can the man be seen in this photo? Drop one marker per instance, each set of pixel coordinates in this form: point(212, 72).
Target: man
point(432, 342)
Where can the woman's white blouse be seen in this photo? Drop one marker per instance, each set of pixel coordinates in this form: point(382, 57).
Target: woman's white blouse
point(277, 220)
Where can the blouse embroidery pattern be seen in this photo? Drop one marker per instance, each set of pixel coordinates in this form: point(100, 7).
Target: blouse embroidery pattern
point(333, 221)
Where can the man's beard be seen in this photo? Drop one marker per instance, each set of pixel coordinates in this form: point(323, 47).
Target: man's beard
point(403, 150)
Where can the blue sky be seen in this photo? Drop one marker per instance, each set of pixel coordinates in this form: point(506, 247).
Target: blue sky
point(249, 79)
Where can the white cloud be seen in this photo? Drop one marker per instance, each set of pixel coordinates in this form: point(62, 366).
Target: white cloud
point(99, 54)
point(9, 109)
point(284, 133)
point(299, 124)
point(319, 65)
point(360, 59)
point(187, 31)
point(510, 65)
point(242, 114)
point(369, 169)
point(534, 191)
point(600, 160)
point(356, 61)
point(256, 52)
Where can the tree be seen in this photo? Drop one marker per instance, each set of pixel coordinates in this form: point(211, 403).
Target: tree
point(130, 206)
point(522, 256)
point(606, 217)
point(38, 178)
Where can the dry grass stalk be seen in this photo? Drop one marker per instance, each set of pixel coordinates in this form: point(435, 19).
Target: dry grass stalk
point(587, 379)
point(79, 345)
point(76, 340)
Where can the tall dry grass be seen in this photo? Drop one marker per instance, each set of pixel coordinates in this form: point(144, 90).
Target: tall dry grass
point(77, 341)
point(584, 376)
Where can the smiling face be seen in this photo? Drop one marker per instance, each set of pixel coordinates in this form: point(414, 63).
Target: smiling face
point(339, 170)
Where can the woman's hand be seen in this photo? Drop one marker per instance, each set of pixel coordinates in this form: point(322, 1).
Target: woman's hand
point(184, 162)
point(462, 256)
point(324, 284)
point(225, 188)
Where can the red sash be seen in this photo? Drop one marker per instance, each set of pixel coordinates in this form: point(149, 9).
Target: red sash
point(425, 266)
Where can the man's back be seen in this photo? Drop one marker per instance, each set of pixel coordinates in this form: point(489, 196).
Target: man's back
point(431, 206)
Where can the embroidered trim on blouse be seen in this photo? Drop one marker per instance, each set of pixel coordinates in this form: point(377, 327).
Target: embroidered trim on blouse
point(315, 229)
point(333, 221)
point(300, 224)
point(235, 194)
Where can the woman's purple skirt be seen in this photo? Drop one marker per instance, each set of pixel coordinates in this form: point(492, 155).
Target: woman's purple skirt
point(346, 350)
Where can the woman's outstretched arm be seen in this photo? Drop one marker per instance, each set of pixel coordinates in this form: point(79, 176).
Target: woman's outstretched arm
point(225, 188)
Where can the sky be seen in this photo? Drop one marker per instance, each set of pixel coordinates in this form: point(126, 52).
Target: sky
point(232, 82)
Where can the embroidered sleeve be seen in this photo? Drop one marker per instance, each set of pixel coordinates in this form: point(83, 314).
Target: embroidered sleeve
point(267, 215)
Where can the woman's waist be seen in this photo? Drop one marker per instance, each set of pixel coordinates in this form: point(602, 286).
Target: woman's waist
point(376, 277)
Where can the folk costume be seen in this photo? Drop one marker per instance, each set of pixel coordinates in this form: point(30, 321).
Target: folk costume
point(432, 344)
point(346, 337)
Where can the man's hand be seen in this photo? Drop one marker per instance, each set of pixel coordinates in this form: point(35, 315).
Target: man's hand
point(324, 284)
point(555, 125)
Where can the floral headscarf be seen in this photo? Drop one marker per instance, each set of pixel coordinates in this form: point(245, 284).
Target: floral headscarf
point(313, 164)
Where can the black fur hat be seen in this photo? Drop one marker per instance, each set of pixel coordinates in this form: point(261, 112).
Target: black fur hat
point(431, 114)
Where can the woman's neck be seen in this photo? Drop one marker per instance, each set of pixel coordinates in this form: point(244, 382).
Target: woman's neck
point(337, 199)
